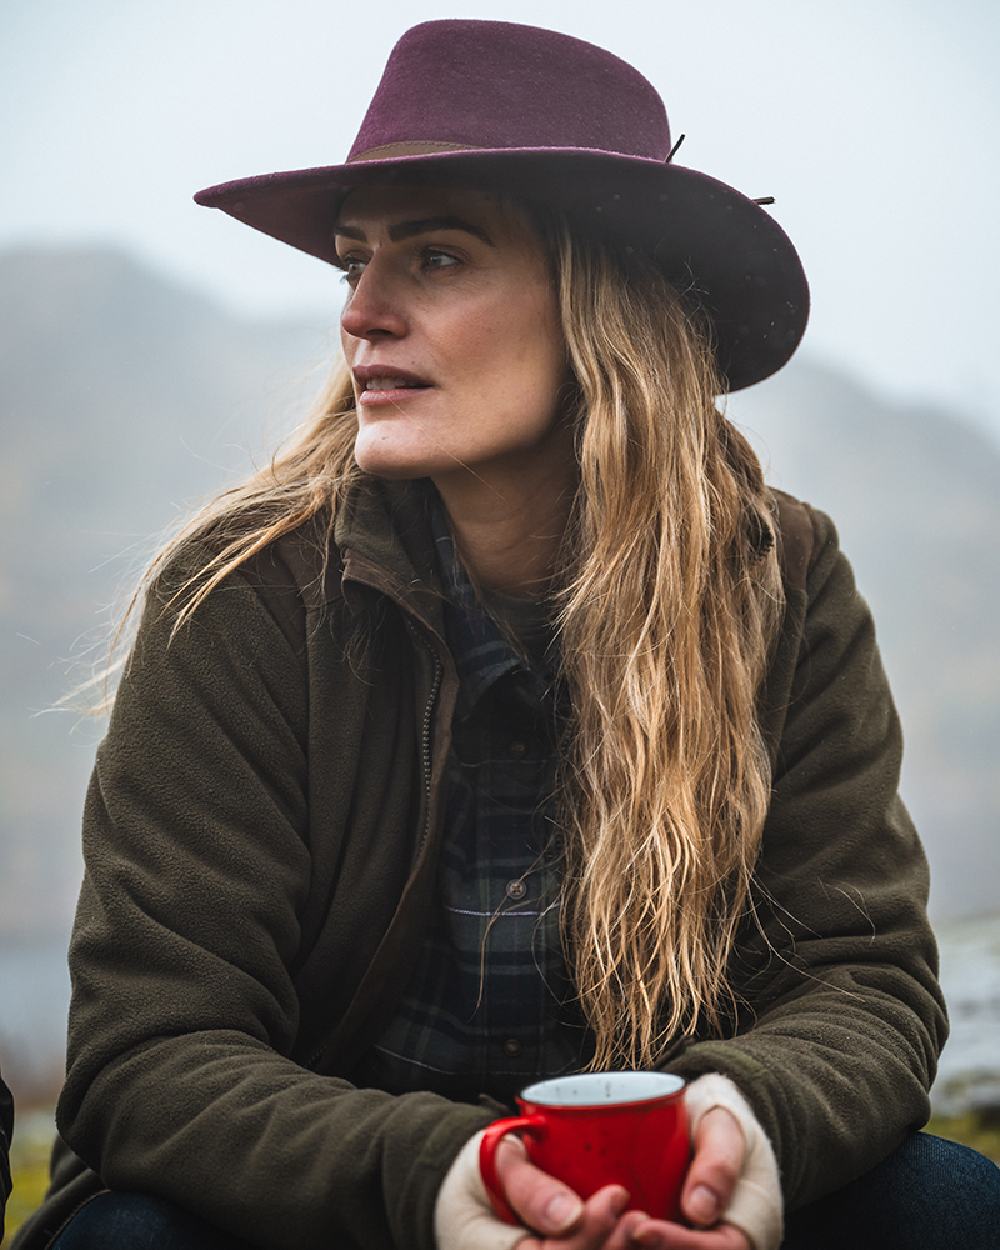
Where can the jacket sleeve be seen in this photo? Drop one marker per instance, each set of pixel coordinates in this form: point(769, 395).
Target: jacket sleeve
point(184, 1012)
point(838, 1045)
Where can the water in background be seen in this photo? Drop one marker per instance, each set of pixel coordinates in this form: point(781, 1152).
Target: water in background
point(34, 997)
point(969, 1072)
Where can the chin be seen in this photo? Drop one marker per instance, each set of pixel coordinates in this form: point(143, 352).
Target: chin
point(400, 474)
point(386, 467)
point(382, 459)
point(397, 449)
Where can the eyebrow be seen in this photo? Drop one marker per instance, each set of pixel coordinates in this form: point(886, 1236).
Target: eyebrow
point(406, 229)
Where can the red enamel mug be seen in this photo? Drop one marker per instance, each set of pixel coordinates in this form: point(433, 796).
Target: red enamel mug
point(600, 1128)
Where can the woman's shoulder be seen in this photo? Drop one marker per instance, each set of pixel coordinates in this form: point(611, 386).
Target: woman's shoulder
point(290, 574)
point(222, 625)
point(298, 571)
point(804, 534)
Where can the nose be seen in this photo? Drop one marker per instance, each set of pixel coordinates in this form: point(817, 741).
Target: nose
point(373, 309)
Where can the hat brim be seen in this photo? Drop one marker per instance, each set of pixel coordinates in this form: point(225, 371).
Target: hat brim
point(721, 250)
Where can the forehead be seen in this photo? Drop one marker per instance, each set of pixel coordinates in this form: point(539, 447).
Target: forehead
point(367, 207)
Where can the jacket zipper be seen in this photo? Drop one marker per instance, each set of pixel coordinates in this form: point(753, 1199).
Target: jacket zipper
point(379, 583)
point(425, 735)
point(425, 760)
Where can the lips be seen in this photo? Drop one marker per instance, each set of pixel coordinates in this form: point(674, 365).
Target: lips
point(389, 384)
point(374, 378)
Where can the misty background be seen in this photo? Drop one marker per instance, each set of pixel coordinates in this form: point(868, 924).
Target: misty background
point(151, 352)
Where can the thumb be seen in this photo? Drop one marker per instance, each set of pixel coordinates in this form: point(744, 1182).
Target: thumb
point(463, 1216)
point(719, 1151)
point(542, 1203)
point(754, 1203)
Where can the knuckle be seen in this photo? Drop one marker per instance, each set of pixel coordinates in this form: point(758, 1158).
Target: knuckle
point(530, 1191)
point(721, 1174)
point(510, 1149)
point(518, 1178)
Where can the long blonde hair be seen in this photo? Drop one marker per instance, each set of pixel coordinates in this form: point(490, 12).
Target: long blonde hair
point(668, 597)
point(670, 605)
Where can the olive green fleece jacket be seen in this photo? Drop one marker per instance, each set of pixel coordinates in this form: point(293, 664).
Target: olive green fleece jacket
point(260, 839)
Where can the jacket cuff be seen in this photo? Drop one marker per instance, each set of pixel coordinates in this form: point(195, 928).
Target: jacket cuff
point(414, 1207)
point(463, 1216)
point(755, 1206)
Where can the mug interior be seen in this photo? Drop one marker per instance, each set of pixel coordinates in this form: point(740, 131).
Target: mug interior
point(594, 1089)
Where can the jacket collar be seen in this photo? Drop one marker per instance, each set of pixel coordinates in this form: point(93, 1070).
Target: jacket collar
point(382, 531)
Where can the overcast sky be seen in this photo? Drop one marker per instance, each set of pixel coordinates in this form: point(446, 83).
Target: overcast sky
point(873, 124)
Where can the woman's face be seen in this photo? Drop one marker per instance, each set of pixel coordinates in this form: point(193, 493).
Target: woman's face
point(449, 294)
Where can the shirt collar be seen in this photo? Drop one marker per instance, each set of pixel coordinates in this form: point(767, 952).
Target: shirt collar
point(481, 650)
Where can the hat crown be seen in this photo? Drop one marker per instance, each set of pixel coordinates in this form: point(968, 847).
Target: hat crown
point(496, 85)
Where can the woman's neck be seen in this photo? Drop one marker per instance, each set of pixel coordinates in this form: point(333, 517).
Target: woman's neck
point(508, 527)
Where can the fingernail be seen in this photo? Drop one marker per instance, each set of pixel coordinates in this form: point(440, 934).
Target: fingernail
point(619, 1203)
point(702, 1205)
point(562, 1210)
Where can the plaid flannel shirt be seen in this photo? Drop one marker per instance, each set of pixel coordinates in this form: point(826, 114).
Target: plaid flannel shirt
point(490, 1006)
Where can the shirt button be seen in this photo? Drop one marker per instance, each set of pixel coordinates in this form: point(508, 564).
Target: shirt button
point(512, 1048)
point(516, 889)
point(518, 748)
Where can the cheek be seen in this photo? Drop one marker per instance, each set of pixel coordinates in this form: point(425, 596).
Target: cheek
point(534, 367)
point(513, 349)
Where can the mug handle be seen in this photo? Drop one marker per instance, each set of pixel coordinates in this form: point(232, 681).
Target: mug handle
point(532, 1126)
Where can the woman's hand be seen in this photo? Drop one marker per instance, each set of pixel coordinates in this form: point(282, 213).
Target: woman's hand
point(556, 1214)
point(719, 1152)
point(732, 1185)
point(552, 1216)
point(604, 1222)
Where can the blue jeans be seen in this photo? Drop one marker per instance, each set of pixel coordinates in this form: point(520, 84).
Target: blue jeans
point(930, 1195)
point(126, 1221)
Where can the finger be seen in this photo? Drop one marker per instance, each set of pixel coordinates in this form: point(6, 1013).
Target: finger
point(661, 1235)
point(719, 1149)
point(599, 1221)
point(621, 1236)
point(602, 1213)
point(540, 1202)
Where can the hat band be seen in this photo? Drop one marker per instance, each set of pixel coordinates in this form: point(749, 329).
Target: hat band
point(418, 147)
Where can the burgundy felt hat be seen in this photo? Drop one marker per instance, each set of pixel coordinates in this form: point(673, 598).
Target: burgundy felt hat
point(488, 104)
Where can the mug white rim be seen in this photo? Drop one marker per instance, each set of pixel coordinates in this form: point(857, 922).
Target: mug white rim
point(601, 1089)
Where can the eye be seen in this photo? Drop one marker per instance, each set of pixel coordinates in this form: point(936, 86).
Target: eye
point(351, 268)
point(434, 258)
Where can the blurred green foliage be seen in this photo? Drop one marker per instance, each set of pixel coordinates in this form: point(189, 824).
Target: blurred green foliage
point(978, 1129)
point(29, 1168)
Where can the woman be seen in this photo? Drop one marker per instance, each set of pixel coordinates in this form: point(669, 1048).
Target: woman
point(507, 724)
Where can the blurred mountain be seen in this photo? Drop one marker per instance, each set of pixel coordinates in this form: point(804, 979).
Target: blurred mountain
point(915, 494)
point(125, 399)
